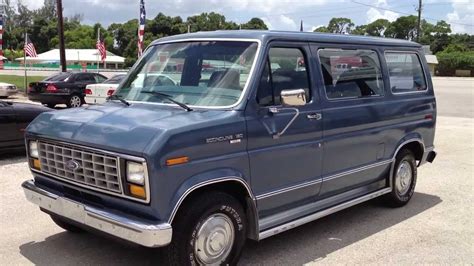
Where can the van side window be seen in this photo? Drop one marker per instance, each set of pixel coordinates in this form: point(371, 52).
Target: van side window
point(285, 69)
point(351, 73)
point(406, 73)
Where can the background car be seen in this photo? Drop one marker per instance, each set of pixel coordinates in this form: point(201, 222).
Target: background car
point(63, 88)
point(14, 118)
point(7, 90)
point(98, 93)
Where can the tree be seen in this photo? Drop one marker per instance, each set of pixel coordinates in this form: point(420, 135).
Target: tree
point(403, 28)
point(340, 25)
point(360, 30)
point(378, 27)
point(321, 29)
point(255, 24)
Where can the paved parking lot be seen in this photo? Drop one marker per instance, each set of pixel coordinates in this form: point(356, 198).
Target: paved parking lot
point(436, 227)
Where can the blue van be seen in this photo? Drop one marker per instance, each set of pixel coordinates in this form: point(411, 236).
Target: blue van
point(258, 132)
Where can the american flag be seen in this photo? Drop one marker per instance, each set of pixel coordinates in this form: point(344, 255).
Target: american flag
point(30, 47)
point(101, 48)
point(141, 28)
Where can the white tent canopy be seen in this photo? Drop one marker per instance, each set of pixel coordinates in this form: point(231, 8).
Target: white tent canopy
point(74, 55)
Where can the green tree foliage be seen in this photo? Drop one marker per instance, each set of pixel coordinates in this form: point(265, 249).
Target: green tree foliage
point(255, 24)
point(340, 25)
point(403, 28)
point(323, 29)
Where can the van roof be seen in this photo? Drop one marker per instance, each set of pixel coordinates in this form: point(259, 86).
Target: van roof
point(269, 35)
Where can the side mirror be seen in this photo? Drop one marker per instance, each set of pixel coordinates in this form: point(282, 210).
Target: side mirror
point(295, 97)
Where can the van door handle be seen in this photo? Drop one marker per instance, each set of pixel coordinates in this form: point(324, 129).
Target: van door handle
point(315, 116)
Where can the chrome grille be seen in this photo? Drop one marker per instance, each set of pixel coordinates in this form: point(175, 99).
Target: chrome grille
point(79, 165)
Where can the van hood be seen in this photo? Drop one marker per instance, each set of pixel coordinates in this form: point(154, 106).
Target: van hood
point(113, 126)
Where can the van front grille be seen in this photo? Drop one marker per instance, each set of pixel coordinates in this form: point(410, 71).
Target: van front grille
point(86, 167)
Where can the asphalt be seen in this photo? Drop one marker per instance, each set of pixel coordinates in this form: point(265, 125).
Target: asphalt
point(436, 227)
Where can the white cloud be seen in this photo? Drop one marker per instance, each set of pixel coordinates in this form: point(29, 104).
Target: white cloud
point(462, 17)
point(374, 14)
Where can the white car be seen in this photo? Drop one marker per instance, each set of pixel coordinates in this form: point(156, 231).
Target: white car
point(7, 90)
point(98, 93)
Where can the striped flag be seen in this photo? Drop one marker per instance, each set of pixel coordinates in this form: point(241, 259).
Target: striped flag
point(141, 28)
point(101, 47)
point(30, 47)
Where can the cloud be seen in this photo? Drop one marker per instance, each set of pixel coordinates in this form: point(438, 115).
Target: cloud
point(374, 14)
point(462, 16)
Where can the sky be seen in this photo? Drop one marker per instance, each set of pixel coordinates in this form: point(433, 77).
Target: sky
point(277, 14)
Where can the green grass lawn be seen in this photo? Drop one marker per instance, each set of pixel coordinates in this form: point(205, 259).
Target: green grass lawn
point(19, 81)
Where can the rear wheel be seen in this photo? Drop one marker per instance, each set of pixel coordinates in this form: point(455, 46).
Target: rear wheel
point(65, 225)
point(210, 230)
point(404, 179)
point(75, 101)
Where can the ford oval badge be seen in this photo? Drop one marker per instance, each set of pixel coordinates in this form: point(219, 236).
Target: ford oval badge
point(72, 165)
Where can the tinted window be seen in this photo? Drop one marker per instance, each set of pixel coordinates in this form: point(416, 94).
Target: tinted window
point(406, 73)
point(351, 73)
point(115, 80)
point(285, 70)
point(85, 78)
point(59, 77)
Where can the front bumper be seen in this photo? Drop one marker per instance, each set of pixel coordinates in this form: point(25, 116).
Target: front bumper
point(149, 235)
point(7, 93)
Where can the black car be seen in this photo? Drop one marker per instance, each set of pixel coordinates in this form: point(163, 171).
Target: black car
point(14, 118)
point(63, 88)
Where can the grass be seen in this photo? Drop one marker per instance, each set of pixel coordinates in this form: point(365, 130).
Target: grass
point(19, 81)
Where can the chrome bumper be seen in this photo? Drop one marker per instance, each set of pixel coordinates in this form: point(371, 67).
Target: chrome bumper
point(149, 235)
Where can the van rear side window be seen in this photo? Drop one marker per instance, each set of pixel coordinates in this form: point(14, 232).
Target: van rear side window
point(351, 73)
point(406, 73)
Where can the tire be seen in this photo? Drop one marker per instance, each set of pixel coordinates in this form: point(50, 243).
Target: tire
point(75, 101)
point(65, 225)
point(404, 179)
point(192, 228)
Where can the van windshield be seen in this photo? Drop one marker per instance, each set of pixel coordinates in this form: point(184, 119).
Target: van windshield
point(205, 74)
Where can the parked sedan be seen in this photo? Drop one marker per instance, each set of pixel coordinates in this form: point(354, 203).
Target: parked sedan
point(14, 118)
point(7, 90)
point(63, 88)
point(98, 93)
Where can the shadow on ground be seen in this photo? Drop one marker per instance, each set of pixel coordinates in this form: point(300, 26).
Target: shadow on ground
point(12, 157)
point(307, 243)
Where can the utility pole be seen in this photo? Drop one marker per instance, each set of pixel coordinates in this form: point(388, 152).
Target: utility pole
point(418, 26)
point(62, 52)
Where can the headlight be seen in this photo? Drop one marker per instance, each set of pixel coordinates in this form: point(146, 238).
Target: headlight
point(33, 149)
point(136, 173)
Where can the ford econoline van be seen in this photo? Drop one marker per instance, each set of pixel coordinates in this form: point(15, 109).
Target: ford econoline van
point(258, 132)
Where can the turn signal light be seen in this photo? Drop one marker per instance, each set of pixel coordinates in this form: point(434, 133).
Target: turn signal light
point(137, 191)
point(175, 161)
point(36, 164)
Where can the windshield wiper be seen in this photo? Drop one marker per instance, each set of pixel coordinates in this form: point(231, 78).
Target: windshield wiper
point(169, 98)
point(119, 98)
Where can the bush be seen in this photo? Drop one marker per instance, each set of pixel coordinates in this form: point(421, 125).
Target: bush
point(450, 61)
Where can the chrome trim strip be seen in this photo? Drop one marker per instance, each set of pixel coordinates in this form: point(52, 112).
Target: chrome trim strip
point(149, 235)
point(360, 169)
point(249, 79)
point(288, 189)
point(320, 214)
point(210, 182)
point(118, 155)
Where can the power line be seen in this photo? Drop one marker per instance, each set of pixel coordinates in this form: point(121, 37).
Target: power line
point(408, 14)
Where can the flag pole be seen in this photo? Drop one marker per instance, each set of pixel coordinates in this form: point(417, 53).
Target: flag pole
point(24, 63)
point(98, 38)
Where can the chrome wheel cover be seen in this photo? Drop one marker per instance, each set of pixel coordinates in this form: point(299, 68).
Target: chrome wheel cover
point(75, 101)
point(214, 240)
point(404, 177)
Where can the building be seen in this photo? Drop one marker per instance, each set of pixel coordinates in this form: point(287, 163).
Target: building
point(431, 59)
point(83, 57)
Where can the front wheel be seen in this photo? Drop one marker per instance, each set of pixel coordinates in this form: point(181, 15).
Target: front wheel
point(210, 230)
point(404, 179)
point(75, 101)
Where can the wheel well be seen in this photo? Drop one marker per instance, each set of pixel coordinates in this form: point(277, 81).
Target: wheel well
point(415, 147)
point(239, 192)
